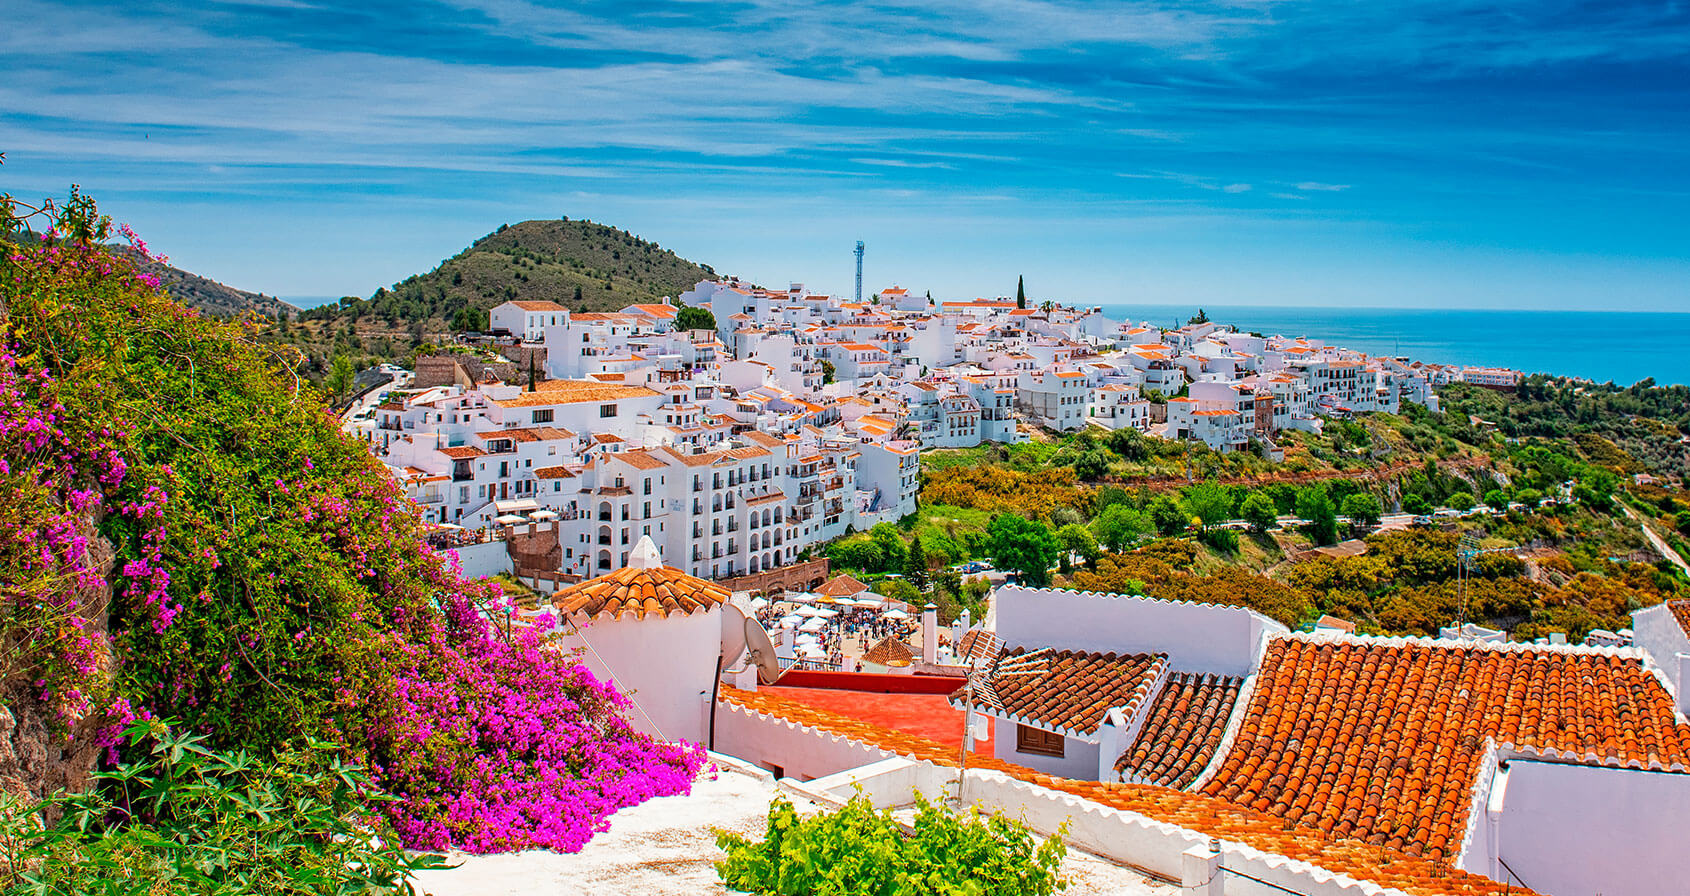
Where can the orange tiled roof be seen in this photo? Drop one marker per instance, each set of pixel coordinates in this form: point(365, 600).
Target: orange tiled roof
point(1680, 610)
point(1076, 689)
point(538, 305)
point(572, 391)
point(1193, 811)
point(462, 452)
point(1183, 729)
point(842, 586)
point(639, 458)
point(659, 591)
point(890, 651)
point(1380, 741)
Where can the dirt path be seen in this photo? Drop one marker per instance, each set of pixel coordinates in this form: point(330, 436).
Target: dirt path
point(1660, 544)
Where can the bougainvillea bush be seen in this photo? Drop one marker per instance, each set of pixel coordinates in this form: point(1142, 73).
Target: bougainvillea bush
point(267, 581)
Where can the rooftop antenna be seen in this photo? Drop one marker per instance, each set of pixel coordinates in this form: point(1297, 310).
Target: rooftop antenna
point(987, 662)
point(859, 254)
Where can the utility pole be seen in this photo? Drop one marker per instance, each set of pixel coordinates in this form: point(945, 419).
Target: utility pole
point(859, 254)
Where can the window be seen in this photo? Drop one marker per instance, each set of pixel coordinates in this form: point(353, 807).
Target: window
point(543, 415)
point(1037, 741)
point(607, 410)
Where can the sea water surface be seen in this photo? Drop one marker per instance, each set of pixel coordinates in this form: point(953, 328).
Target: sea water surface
point(1621, 346)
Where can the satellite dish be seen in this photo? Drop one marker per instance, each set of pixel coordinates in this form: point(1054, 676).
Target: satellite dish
point(762, 652)
point(734, 618)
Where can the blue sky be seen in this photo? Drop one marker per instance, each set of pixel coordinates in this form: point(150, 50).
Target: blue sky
point(1522, 155)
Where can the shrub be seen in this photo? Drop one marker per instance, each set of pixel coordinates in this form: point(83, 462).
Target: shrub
point(178, 817)
point(856, 851)
point(1223, 540)
point(270, 585)
point(1460, 501)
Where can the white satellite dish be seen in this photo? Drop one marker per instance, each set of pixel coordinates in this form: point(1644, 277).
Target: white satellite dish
point(734, 618)
point(762, 652)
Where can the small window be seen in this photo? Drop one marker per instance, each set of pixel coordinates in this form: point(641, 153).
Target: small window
point(543, 415)
point(1038, 741)
point(607, 410)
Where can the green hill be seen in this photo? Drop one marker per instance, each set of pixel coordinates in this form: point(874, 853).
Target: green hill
point(206, 294)
point(580, 264)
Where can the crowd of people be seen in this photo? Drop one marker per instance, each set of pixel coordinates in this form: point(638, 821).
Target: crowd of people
point(841, 638)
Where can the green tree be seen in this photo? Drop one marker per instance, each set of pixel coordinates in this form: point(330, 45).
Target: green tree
point(339, 379)
point(1459, 501)
point(1415, 504)
point(1119, 526)
point(533, 378)
point(1259, 511)
point(1077, 540)
point(1497, 498)
point(1209, 501)
point(892, 548)
point(1020, 291)
point(1363, 508)
point(1092, 465)
point(691, 318)
point(1315, 506)
point(827, 371)
point(1026, 547)
point(915, 564)
point(1167, 517)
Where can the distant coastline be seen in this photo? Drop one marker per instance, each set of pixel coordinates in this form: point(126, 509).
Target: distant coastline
point(303, 302)
point(1622, 346)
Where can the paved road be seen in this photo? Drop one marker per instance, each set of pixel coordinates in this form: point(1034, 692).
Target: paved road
point(1661, 546)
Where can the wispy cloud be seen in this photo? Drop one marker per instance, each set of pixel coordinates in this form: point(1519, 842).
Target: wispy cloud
point(1202, 115)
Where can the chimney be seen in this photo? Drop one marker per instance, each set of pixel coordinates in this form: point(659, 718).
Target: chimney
point(930, 634)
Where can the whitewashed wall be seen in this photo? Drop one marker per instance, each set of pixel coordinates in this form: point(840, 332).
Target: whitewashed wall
point(479, 561)
point(665, 664)
point(799, 751)
point(1656, 631)
point(1146, 843)
point(1578, 830)
point(1196, 637)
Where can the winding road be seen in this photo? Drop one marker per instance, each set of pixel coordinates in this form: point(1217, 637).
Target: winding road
point(1661, 546)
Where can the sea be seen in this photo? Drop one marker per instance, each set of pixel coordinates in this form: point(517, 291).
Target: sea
point(1604, 346)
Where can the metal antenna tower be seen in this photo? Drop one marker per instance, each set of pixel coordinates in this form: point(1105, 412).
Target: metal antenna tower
point(987, 661)
point(859, 254)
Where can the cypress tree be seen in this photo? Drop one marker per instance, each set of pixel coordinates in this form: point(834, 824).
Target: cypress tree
point(531, 370)
point(915, 564)
point(1020, 292)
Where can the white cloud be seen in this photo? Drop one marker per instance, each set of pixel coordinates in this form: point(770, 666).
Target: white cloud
point(1317, 187)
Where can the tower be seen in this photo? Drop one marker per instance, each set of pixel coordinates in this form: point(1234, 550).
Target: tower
point(859, 254)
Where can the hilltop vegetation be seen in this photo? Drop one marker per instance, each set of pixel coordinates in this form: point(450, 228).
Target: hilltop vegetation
point(578, 264)
point(200, 293)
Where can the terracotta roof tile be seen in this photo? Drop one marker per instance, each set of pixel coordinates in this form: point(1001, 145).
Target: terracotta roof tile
point(1380, 741)
point(890, 651)
point(1076, 690)
point(573, 391)
point(1680, 610)
point(661, 591)
point(1183, 730)
point(1192, 811)
point(842, 586)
